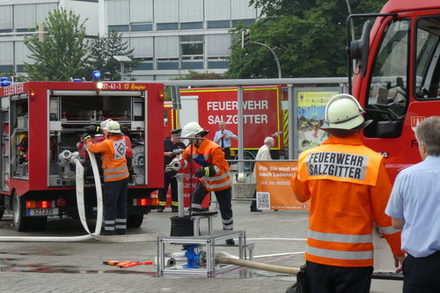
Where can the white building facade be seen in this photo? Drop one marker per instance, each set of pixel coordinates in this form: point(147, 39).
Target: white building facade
point(169, 37)
point(21, 17)
point(172, 37)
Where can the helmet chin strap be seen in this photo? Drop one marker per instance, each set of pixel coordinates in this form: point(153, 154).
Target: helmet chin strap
point(198, 141)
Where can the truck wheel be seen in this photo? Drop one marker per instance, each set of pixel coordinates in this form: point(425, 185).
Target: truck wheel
point(20, 222)
point(135, 220)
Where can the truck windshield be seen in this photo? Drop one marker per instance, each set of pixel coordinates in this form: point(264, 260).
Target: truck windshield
point(428, 58)
point(387, 99)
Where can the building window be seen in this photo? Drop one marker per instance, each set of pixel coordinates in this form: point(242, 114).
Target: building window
point(20, 68)
point(244, 22)
point(191, 25)
point(167, 26)
point(118, 28)
point(24, 30)
point(192, 65)
point(191, 47)
point(218, 64)
point(141, 27)
point(167, 63)
point(144, 64)
point(6, 68)
point(219, 24)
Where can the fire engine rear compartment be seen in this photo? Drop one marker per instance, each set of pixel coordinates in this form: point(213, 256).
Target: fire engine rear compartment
point(39, 124)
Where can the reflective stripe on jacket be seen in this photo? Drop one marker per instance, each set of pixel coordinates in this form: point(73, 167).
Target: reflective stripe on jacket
point(349, 190)
point(210, 153)
point(113, 152)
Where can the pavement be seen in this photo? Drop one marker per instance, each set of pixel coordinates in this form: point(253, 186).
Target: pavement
point(77, 266)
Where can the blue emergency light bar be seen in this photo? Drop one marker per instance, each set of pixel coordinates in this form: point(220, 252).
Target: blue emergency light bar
point(96, 74)
point(5, 81)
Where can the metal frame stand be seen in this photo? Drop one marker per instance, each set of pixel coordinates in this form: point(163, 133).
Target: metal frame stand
point(210, 242)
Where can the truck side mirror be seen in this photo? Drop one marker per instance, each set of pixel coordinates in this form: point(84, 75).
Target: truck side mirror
point(359, 49)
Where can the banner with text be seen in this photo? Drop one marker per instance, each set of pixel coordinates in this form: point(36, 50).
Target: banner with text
point(274, 190)
point(261, 112)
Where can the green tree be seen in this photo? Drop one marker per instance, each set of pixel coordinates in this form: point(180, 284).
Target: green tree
point(308, 36)
point(61, 52)
point(103, 49)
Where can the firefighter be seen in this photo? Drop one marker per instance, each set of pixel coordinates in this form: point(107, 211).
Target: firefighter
point(171, 147)
point(348, 188)
point(114, 164)
point(214, 172)
point(100, 136)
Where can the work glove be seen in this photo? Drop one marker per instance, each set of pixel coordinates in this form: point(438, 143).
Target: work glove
point(178, 151)
point(92, 129)
point(170, 172)
point(208, 171)
point(200, 172)
point(86, 137)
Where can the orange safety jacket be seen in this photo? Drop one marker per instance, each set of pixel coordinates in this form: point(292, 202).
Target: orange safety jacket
point(210, 153)
point(349, 190)
point(112, 151)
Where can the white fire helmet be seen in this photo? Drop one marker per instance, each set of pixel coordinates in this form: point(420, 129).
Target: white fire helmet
point(190, 130)
point(113, 127)
point(104, 124)
point(343, 111)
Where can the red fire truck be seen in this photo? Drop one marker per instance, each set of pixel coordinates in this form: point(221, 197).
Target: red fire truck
point(263, 113)
point(398, 76)
point(40, 120)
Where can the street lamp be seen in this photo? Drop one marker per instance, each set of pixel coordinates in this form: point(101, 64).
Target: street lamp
point(351, 20)
point(244, 40)
point(273, 53)
point(122, 60)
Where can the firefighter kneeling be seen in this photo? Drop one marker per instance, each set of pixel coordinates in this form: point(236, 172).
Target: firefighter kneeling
point(214, 172)
point(114, 164)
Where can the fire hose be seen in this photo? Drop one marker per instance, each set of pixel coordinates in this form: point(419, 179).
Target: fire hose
point(79, 177)
point(256, 265)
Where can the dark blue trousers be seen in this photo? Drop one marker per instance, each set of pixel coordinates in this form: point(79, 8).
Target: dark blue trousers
point(333, 279)
point(422, 274)
point(115, 207)
point(224, 199)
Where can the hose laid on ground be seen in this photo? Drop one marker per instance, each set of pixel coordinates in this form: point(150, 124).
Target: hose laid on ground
point(79, 180)
point(256, 265)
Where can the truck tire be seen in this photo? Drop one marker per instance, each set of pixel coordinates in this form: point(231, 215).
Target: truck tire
point(134, 220)
point(20, 221)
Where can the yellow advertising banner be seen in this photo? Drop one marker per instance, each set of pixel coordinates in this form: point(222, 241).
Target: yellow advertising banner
point(274, 190)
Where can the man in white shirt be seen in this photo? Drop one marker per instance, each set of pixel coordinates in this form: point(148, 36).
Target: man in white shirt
point(223, 138)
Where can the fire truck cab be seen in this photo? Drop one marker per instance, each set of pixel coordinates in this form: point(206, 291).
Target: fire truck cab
point(40, 121)
point(398, 77)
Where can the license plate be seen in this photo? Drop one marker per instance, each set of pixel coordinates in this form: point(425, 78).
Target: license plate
point(42, 212)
